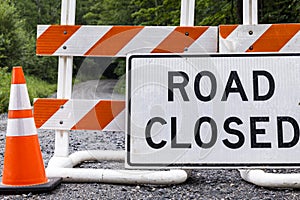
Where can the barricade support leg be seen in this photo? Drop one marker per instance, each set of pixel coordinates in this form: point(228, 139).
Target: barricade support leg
point(264, 179)
point(63, 167)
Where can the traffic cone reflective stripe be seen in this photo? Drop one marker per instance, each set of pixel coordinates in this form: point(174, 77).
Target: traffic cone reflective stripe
point(13, 114)
point(23, 169)
point(15, 125)
point(19, 98)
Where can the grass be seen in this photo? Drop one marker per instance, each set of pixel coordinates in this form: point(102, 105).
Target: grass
point(36, 88)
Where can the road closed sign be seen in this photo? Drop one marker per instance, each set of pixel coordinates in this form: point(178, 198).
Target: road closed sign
point(218, 110)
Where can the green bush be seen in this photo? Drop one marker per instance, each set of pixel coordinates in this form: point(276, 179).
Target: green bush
point(4, 89)
point(36, 88)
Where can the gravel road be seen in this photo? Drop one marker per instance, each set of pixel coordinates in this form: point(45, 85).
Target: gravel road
point(202, 184)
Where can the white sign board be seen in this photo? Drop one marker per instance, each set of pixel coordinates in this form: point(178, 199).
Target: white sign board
point(218, 110)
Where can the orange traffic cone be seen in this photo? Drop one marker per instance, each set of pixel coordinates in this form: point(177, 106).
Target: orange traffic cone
point(23, 169)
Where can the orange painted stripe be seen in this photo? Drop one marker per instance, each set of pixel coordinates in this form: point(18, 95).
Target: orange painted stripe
point(226, 30)
point(275, 38)
point(53, 38)
point(179, 39)
point(23, 162)
point(99, 117)
point(45, 108)
point(17, 76)
point(14, 114)
point(114, 40)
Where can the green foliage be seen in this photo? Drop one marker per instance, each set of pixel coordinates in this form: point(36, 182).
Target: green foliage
point(157, 12)
point(121, 67)
point(279, 11)
point(36, 88)
point(36, 12)
point(120, 87)
point(4, 89)
point(12, 36)
point(216, 12)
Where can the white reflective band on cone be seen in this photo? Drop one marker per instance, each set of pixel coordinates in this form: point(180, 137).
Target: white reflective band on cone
point(21, 127)
point(19, 99)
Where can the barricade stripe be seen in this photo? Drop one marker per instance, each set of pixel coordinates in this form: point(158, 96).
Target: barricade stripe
point(105, 111)
point(48, 42)
point(41, 29)
point(284, 32)
point(20, 98)
point(207, 41)
point(21, 127)
point(114, 40)
point(87, 35)
point(186, 36)
point(292, 43)
point(226, 30)
point(45, 108)
point(13, 114)
point(146, 40)
point(118, 124)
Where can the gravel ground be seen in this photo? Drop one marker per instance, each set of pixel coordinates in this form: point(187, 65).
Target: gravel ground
point(202, 184)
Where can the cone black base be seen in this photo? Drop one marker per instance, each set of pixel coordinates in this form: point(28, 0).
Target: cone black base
point(46, 187)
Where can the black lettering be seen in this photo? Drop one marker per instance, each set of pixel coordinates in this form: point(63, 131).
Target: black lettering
point(180, 86)
point(239, 134)
point(293, 122)
point(269, 94)
point(239, 87)
point(254, 131)
point(213, 89)
point(174, 143)
point(148, 133)
point(214, 132)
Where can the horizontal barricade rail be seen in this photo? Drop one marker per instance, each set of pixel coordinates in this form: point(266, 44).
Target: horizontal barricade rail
point(77, 114)
point(259, 38)
point(57, 40)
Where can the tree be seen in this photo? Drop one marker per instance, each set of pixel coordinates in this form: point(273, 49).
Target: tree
point(279, 11)
point(35, 12)
point(12, 36)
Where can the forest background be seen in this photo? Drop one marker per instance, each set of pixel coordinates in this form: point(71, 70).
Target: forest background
point(19, 19)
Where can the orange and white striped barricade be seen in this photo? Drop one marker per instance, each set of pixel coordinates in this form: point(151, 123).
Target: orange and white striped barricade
point(77, 114)
point(23, 169)
point(274, 38)
point(118, 41)
point(259, 38)
point(68, 40)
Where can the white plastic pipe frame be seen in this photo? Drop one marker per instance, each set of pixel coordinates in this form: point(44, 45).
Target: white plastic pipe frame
point(63, 167)
point(261, 178)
